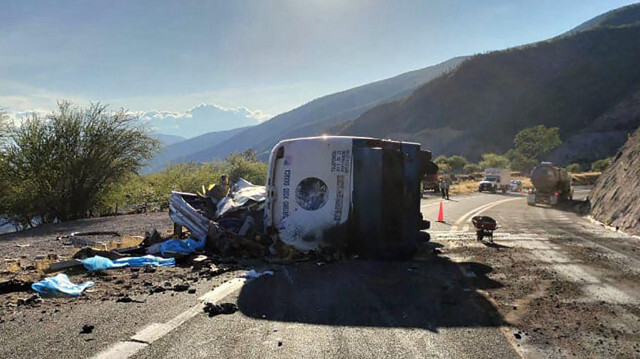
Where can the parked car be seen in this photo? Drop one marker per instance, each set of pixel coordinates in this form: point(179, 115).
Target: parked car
point(515, 186)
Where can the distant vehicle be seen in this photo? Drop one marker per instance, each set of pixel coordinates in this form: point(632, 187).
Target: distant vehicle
point(495, 179)
point(515, 186)
point(552, 185)
point(430, 183)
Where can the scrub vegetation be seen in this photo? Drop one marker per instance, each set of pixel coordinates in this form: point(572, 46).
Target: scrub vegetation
point(83, 162)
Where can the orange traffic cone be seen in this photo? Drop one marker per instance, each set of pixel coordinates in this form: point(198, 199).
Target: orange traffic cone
point(441, 213)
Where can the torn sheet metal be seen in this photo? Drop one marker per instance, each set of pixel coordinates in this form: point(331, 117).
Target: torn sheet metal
point(243, 192)
point(182, 213)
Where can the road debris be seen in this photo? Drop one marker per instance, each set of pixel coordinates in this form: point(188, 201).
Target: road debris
point(216, 309)
point(32, 299)
point(127, 299)
point(14, 285)
point(181, 287)
point(87, 329)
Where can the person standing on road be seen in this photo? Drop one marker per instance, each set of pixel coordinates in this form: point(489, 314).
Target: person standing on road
point(445, 184)
point(442, 190)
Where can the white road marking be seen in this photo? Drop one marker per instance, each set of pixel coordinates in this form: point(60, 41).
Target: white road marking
point(121, 350)
point(155, 331)
point(437, 203)
point(152, 333)
point(476, 211)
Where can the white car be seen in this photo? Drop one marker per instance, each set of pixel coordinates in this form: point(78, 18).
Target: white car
point(515, 186)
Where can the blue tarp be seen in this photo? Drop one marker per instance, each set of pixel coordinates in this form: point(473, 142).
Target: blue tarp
point(60, 284)
point(186, 246)
point(100, 263)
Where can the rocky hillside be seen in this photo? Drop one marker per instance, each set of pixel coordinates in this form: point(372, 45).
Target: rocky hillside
point(578, 82)
point(615, 198)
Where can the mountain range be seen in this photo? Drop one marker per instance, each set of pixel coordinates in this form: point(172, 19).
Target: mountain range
point(585, 81)
point(306, 120)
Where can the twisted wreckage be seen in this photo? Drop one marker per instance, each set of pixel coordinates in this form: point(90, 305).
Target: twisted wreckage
point(324, 195)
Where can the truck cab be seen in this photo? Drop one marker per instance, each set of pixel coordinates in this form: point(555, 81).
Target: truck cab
point(495, 180)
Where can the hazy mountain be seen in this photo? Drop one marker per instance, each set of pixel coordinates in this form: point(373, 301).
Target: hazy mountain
point(577, 82)
point(178, 151)
point(166, 140)
point(201, 119)
point(323, 113)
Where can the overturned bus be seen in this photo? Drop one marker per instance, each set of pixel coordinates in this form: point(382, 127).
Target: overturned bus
point(359, 194)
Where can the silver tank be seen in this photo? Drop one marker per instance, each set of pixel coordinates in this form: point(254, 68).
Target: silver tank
point(547, 178)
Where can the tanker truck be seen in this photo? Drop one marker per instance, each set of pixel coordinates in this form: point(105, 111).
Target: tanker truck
point(552, 185)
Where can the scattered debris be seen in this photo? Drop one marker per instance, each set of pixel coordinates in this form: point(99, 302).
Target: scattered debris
point(87, 329)
point(216, 309)
point(58, 266)
point(181, 287)
point(127, 299)
point(243, 193)
point(88, 252)
point(33, 299)
point(14, 285)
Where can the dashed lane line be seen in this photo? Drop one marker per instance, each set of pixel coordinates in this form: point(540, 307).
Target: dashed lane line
point(154, 331)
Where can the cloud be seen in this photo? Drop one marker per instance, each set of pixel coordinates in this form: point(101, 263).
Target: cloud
point(201, 119)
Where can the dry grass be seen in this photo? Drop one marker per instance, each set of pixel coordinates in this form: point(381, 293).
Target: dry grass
point(464, 187)
point(585, 179)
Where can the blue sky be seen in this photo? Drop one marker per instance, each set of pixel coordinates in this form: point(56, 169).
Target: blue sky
point(267, 56)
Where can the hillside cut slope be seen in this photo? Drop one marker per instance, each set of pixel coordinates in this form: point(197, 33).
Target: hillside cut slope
point(615, 198)
point(573, 82)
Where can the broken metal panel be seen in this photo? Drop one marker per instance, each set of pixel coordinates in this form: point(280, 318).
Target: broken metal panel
point(182, 213)
point(244, 191)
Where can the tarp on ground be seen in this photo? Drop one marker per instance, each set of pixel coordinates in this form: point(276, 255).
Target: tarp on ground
point(96, 263)
point(181, 246)
point(60, 285)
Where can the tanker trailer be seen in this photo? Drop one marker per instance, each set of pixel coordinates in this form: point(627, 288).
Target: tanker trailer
point(552, 185)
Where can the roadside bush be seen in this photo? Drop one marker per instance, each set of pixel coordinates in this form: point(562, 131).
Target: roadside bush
point(472, 168)
point(62, 165)
point(601, 165)
point(574, 168)
point(493, 160)
point(184, 177)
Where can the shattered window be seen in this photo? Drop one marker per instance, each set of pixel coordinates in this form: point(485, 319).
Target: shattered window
point(311, 193)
